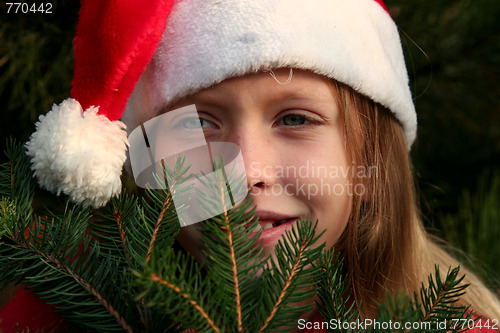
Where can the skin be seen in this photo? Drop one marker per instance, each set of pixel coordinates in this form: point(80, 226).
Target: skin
point(295, 125)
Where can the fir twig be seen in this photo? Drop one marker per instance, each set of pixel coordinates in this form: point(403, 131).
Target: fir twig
point(85, 265)
point(59, 264)
point(168, 215)
point(53, 254)
point(119, 223)
point(440, 297)
point(291, 277)
point(333, 289)
point(192, 302)
point(437, 305)
point(283, 292)
point(166, 205)
point(229, 232)
point(99, 297)
point(231, 251)
point(174, 285)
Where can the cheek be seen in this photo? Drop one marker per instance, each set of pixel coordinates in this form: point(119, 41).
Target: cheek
point(334, 218)
point(321, 171)
point(324, 184)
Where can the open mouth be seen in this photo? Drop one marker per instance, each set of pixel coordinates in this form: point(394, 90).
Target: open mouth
point(269, 224)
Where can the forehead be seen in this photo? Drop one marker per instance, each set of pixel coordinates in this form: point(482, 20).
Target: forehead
point(148, 100)
point(272, 85)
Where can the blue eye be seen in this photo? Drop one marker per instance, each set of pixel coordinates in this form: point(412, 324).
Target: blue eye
point(195, 123)
point(294, 120)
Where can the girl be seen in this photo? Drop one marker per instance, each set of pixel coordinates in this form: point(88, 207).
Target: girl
point(318, 86)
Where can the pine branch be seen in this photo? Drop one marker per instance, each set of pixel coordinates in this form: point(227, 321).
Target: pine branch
point(232, 285)
point(175, 176)
point(166, 223)
point(291, 276)
point(85, 261)
point(14, 182)
point(227, 228)
point(58, 276)
point(439, 299)
point(333, 289)
point(102, 300)
point(166, 205)
point(146, 222)
point(57, 259)
point(121, 230)
point(231, 251)
point(284, 291)
point(436, 309)
point(119, 223)
point(176, 286)
point(191, 301)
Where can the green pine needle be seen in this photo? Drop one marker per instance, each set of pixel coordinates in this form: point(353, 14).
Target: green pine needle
point(116, 269)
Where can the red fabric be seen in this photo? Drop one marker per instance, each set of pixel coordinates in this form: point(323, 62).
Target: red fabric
point(29, 312)
point(115, 40)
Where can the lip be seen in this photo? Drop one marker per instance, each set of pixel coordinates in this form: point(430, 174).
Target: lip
point(263, 215)
point(273, 235)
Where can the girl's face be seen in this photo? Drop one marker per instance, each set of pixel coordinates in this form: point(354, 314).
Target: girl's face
point(293, 147)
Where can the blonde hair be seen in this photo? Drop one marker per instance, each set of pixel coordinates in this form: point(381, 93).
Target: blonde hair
point(385, 246)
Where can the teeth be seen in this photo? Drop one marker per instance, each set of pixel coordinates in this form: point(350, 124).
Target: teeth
point(257, 228)
point(267, 226)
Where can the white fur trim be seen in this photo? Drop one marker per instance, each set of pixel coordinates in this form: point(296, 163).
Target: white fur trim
point(78, 153)
point(353, 41)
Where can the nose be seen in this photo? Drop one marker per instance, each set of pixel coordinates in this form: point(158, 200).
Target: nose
point(258, 154)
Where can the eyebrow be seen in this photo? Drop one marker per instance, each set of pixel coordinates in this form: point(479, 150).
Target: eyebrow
point(308, 94)
point(208, 97)
point(196, 100)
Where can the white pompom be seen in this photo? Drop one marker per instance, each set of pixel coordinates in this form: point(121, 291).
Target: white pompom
point(78, 153)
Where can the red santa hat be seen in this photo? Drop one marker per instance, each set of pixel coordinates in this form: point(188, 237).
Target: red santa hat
point(79, 147)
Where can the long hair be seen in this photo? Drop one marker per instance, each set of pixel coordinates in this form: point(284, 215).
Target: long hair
point(385, 246)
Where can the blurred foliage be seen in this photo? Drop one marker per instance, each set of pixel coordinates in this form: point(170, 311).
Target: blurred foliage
point(36, 59)
point(452, 49)
point(475, 229)
point(453, 57)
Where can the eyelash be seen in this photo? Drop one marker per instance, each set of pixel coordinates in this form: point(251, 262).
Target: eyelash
point(187, 120)
point(309, 121)
point(196, 122)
